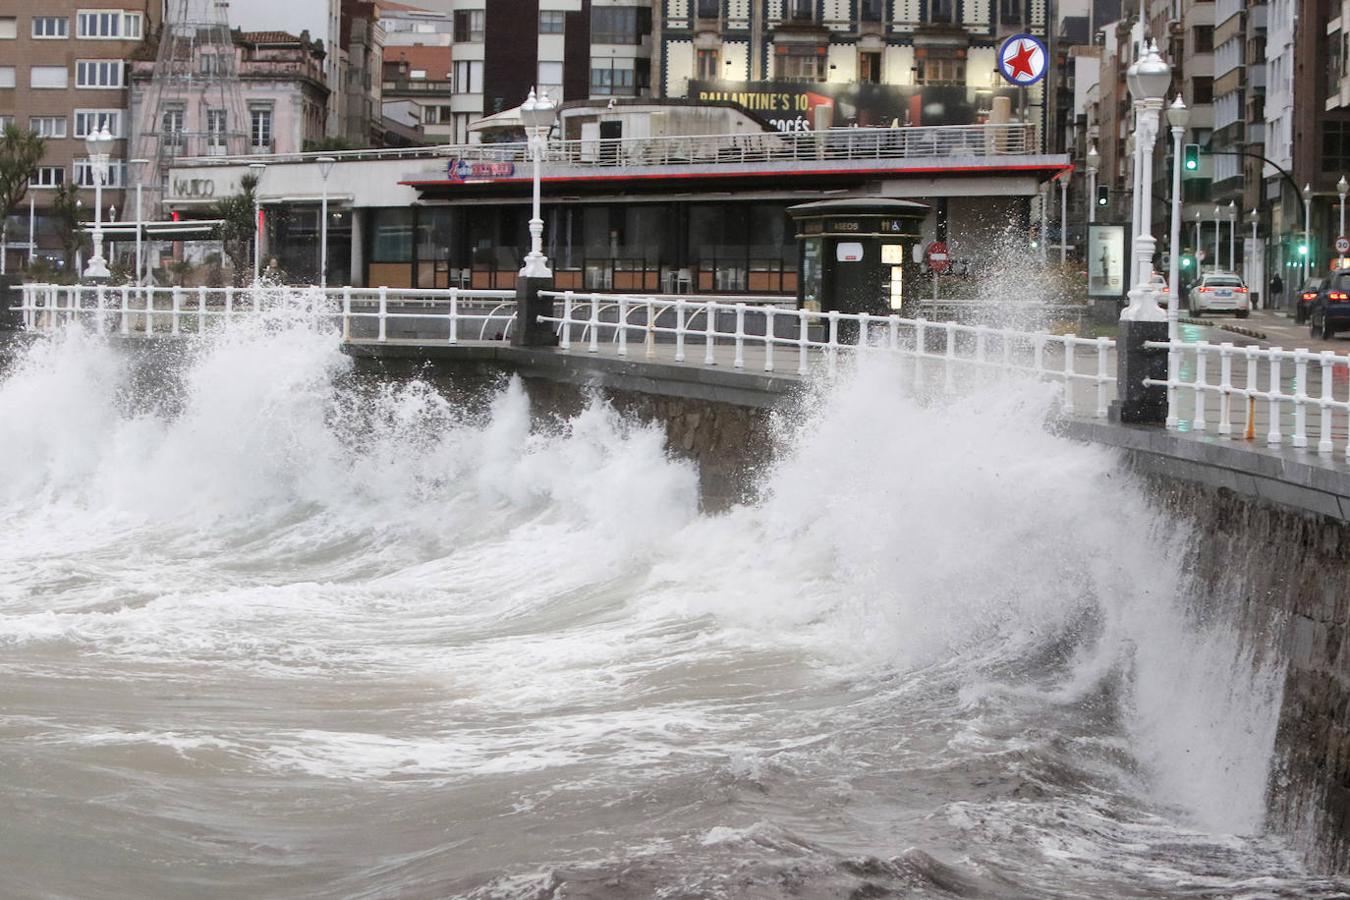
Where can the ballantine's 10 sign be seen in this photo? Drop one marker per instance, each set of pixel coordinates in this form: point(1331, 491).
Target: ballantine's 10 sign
point(463, 170)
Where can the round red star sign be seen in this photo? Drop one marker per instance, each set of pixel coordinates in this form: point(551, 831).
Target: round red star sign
point(1022, 59)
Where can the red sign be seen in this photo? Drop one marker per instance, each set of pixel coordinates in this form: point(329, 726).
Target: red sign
point(1343, 244)
point(463, 170)
point(937, 257)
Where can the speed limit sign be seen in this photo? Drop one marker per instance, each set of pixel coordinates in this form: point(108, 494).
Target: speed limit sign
point(1343, 244)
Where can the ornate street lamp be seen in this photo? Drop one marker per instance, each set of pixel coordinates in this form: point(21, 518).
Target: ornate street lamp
point(1149, 83)
point(99, 144)
point(537, 113)
point(1342, 188)
point(1178, 116)
point(138, 170)
point(1307, 229)
point(326, 164)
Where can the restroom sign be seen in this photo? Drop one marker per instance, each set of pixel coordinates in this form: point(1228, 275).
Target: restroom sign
point(1022, 60)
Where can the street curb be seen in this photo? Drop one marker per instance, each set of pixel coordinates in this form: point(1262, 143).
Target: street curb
point(1236, 329)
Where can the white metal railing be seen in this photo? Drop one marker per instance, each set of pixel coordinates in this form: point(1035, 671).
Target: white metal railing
point(1284, 385)
point(1016, 138)
point(718, 329)
point(135, 310)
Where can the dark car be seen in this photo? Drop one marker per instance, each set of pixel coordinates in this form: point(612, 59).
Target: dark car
point(1330, 312)
point(1306, 296)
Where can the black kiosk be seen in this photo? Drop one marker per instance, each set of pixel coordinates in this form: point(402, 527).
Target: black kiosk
point(853, 253)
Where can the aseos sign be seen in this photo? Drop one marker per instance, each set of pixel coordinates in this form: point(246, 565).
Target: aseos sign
point(464, 170)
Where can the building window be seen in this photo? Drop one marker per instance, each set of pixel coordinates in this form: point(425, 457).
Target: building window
point(613, 78)
point(1011, 11)
point(103, 23)
point(5, 122)
point(131, 26)
point(709, 65)
point(1336, 146)
point(869, 67)
point(1204, 38)
point(88, 121)
point(51, 27)
point(469, 26)
point(940, 10)
point(47, 177)
point(469, 76)
point(870, 10)
point(215, 128)
point(48, 126)
point(171, 130)
point(940, 70)
point(709, 9)
point(52, 77)
point(98, 73)
point(552, 21)
point(551, 75)
point(802, 10)
point(9, 28)
point(210, 64)
point(1202, 90)
point(84, 174)
point(6, 76)
point(620, 24)
point(800, 65)
point(260, 129)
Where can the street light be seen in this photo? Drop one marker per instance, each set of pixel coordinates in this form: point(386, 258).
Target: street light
point(1150, 82)
point(1178, 116)
point(1094, 161)
point(1255, 216)
point(257, 168)
point(1232, 235)
point(138, 170)
point(1307, 229)
point(1217, 257)
point(325, 168)
point(99, 144)
point(537, 114)
point(1342, 188)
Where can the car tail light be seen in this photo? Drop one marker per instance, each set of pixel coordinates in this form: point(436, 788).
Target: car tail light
point(1338, 295)
point(1240, 290)
point(1204, 290)
point(1309, 296)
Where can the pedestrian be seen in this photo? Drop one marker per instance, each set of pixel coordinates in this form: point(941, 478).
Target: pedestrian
point(1276, 291)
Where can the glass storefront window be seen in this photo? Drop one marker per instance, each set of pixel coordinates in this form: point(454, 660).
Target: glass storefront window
point(393, 236)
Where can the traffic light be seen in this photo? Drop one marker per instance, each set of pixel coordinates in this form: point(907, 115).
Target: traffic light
point(1186, 262)
point(1103, 195)
point(1191, 157)
point(1302, 248)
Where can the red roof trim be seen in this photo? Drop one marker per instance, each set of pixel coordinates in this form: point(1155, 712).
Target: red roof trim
point(918, 170)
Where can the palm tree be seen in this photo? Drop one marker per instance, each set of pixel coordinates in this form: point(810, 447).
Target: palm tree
point(237, 225)
point(20, 152)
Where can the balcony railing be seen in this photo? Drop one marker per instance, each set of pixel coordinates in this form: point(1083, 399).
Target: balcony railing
point(837, 144)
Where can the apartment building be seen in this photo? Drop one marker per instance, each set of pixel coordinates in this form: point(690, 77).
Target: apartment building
point(63, 74)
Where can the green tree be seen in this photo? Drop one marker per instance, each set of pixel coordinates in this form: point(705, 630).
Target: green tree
point(237, 225)
point(70, 216)
point(20, 152)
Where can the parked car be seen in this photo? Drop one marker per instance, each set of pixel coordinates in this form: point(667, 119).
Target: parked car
point(1158, 282)
point(1306, 297)
point(1220, 292)
point(1330, 312)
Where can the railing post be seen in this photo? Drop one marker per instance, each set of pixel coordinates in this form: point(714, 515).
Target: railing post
point(384, 314)
point(710, 334)
point(803, 339)
point(149, 309)
point(201, 310)
point(832, 344)
point(1201, 362)
point(1103, 374)
point(768, 338)
point(739, 361)
point(1273, 436)
point(649, 339)
point(565, 336)
point(1226, 389)
point(622, 333)
point(1324, 432)
point(920, 344)
point(124, 326)
point(1069, 371)
point(679, 330)
point(347, 313)
point(595, 324)
point(1173, 373)
point(99, 298)
point(229, 307)
point(177, 308)
point(1300, 398)
point(454, 316)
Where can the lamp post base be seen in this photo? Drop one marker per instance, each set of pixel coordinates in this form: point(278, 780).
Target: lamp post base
point(530, 304)
point(97, 268)
point(1138, 403)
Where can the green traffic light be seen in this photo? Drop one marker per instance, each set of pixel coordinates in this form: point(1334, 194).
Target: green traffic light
point(1302, 249)
point(1191, 157)
point(1185, 262)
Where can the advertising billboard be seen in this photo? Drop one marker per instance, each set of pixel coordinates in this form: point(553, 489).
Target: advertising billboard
point(1106, 261)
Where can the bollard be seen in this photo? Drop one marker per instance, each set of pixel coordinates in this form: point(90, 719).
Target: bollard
point(384, 314)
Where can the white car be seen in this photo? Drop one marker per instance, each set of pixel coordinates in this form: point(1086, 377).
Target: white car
point(1220, 292)
point(1157, 283)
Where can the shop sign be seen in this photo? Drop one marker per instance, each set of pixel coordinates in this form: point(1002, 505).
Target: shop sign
point(843, 226)
point(464, 170)
point(194, 188)
point(1106, 261)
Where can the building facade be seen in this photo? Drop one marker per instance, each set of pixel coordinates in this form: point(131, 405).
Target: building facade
point(63, 74)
